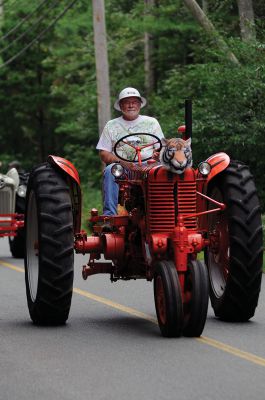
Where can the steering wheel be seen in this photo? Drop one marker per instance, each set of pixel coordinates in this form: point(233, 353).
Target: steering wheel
point(133, 148)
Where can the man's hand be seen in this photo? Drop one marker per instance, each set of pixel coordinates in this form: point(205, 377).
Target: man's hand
point(155, 155)
point(107, 157)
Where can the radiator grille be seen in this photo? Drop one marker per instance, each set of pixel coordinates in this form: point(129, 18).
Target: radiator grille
point(6, 201)
point(187, 199)
point(161, 206)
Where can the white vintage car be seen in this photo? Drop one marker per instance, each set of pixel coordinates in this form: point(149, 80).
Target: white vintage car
point(12, 205)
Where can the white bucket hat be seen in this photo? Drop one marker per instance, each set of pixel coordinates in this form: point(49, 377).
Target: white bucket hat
point(129, 92)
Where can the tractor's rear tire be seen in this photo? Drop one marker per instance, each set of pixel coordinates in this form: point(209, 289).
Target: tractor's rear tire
point(49, 247)
point(17, 244)
point(234, 257)
point(168, 299)
point(197, 291)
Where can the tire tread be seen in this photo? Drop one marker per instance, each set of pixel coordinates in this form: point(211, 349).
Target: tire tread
point(55, 221)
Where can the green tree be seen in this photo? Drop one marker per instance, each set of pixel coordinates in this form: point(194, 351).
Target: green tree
point(48, 94)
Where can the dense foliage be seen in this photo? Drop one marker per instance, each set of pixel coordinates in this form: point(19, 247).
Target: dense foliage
point(48, 94)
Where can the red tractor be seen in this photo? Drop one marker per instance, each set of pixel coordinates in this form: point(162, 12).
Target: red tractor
point(167, 220)
point(13, 187)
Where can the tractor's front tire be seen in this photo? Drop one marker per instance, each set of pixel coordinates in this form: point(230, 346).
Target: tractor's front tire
point(17, 244)
point(49, 247)
point(168, 299)
point(234, 257)
point(197, 294)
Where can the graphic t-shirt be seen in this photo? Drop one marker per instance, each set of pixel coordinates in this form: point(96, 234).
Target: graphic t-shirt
point(117, 128)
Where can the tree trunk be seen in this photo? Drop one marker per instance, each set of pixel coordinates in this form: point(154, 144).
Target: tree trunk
point(1, 13)
point(247, 22)
point(1, 25)
point(102, 66)
point(1, 16)
point(148, 54)
point(205, 6)
point(42, 138)
point(202, 19)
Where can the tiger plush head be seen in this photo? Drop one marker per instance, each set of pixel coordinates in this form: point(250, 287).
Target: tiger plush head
point(176, 155)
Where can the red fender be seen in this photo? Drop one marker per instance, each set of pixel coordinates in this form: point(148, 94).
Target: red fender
point(74, 185)
point(218, 162)
point(66, 166)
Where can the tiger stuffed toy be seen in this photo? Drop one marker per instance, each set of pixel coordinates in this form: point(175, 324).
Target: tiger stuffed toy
point(176, 155)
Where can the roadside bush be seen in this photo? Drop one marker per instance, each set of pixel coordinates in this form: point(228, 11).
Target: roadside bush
point(228, 109)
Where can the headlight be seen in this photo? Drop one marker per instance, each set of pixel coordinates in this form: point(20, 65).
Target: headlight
point(204, 168)
point(22, 190)
point(117, 170)
point(2, 183)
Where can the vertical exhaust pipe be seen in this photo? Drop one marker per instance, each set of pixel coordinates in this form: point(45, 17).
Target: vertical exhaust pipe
point(188, 119)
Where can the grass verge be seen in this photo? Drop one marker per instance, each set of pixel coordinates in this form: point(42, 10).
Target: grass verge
point(92, 198)
point(263, 228)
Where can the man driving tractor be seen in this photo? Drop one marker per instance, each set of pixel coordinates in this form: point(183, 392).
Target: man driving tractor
point(129, 103)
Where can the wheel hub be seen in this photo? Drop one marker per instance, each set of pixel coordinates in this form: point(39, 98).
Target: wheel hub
point(219, 250)
point(32, 247)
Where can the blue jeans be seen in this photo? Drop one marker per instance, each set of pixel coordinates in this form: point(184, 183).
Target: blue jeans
point(110, 192)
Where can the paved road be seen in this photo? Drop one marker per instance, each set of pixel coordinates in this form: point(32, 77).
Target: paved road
point(111, 347)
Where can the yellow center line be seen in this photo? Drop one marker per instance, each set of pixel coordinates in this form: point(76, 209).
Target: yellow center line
point(11, 266)
point(233, 350)
point(128, 310)
point(117, 306)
